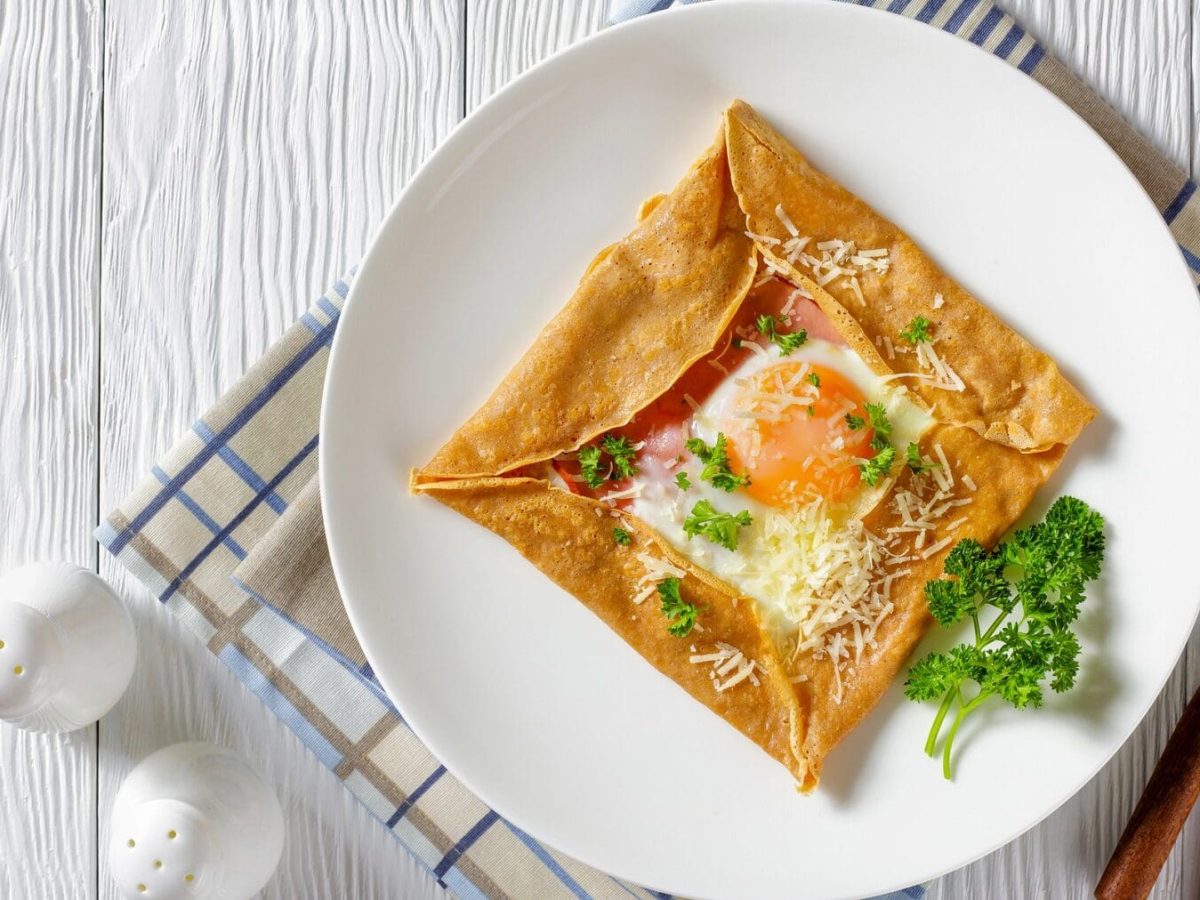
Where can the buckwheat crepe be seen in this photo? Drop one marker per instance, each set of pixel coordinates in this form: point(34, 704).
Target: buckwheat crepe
point(658, 300)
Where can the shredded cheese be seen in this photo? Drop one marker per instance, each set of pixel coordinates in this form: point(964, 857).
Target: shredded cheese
point(785, 220)
point(727, 660)
point(763, 238)
point(657, 570)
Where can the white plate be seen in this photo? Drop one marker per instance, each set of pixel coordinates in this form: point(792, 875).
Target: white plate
point(534, 703)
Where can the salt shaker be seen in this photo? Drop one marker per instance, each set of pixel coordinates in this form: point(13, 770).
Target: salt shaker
point(67, 647)
point(194, 821)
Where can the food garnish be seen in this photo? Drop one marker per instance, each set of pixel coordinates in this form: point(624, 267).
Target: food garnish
point(880, 465)
point(621, 536)
point(682, 480)
point(620, 452)
point(717, 470)
point(916, 462)
point(768, 327)
point(917, 331)
point(720, 528)
point(680, 614)
point(1042, 570)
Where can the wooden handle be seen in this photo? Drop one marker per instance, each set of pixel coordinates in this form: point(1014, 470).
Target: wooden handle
point(1160, 814)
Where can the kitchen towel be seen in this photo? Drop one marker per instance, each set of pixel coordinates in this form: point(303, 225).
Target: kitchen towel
point(227, 533)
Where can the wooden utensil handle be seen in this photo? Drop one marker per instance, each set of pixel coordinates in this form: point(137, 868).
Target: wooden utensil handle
point(1169, 797)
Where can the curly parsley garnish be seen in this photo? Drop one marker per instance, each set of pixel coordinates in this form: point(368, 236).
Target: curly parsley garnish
point(622, 453)
point(814, 379)
point(619, 451)
point(681, 615)
point(917, 331)
point(682, 480)
point(917, 463)
point(854, 423)
point(589, 466)
point(767, 326)
point(1042, 569)
point(720, 528)
point(621, 536)
point(880, 465)
point(879, 422)
point(716, 469)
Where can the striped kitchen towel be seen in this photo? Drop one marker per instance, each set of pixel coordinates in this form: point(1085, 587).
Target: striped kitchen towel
point(227, 533)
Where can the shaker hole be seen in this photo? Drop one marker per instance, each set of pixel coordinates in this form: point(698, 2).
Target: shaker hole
point(172, 834)
point(18, 670)
point(189, 878)
point(1, 645)
point(158, 864)
point(131, 843)
point(141, 889)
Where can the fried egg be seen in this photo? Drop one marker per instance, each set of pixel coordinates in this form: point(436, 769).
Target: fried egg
point(799, 427)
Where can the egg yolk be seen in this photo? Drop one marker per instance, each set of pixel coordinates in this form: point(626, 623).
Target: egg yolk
point(792, 436)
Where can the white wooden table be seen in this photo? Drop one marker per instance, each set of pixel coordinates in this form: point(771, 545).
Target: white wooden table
point(178, 178)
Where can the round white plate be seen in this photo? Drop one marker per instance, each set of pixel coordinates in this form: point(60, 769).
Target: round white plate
point(535, 704)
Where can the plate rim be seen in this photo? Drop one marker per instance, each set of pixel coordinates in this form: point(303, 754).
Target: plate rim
point(459, 134)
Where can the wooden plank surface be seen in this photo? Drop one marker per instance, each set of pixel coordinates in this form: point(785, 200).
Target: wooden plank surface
point(248, 152)
point(251, 149)
point(50, 63)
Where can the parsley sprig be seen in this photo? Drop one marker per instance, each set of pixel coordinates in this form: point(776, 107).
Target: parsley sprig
point(720, 528)
point(620, 453)
point(716, 469)
point(768, 327)
point(1036, 582)
point(916, 462)
point(621, 536)
point(681, 615)
point(879, 466)
point(917, 331)
point(682, 481)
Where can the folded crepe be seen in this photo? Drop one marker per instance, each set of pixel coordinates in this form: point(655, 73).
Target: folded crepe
point(793, 627)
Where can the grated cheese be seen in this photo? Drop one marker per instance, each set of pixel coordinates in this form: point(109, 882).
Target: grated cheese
point(785, 220)
point(763, 238)
point(726, 659)
point(657, 570)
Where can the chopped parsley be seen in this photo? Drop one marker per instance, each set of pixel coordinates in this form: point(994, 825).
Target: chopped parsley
point(720, 528)
point(854, 423)
point(681, 479)
point(814, 379)
point(880, 465)
point(917, 331)
point(619, 451)
point(1043, 569)
point(918, 463)
point(589, 467)
point(767, 327)
point(622, 453)
point(621, 536)
point(681, 615)
point(716, 469)
point(810, 410)
point(879, 422)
